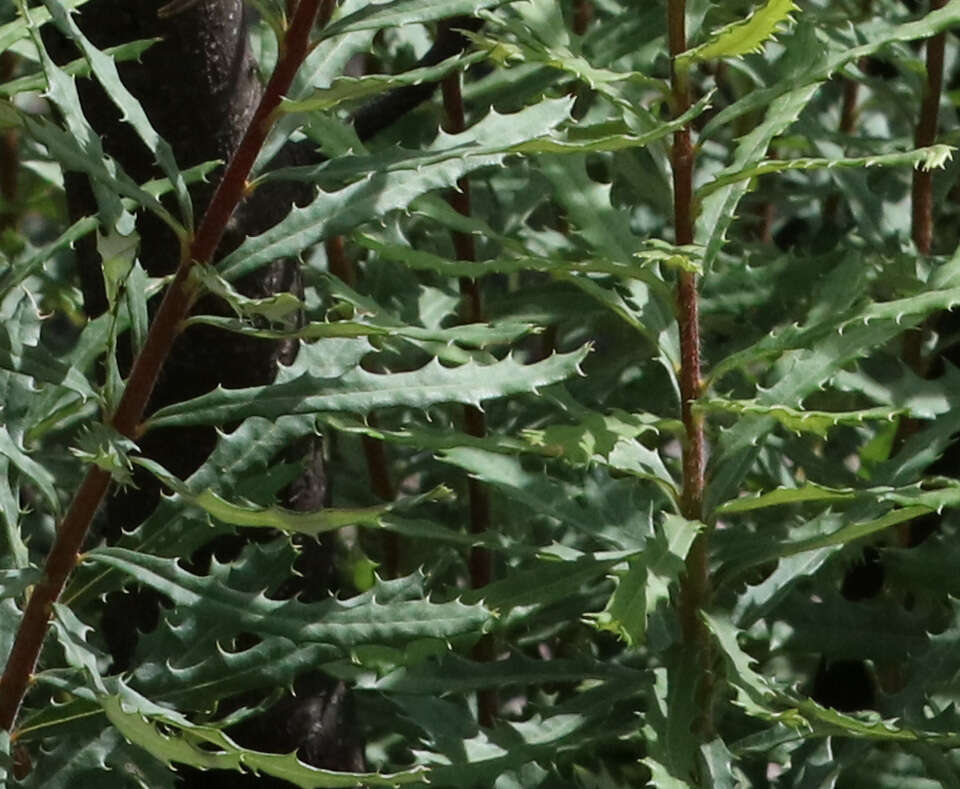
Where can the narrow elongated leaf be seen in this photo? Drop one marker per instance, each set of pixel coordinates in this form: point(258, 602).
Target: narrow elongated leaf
point(312, 523)
point(718, 209)
point(33, 262)
point(374, 16)
point(29, 467)
point(105, 69)
point(353, 88)
point(454, 673)
point(359, 391)
point(548, 583)
point(36, 362)
point(824, 56)
point(799, 420)
point(342, 624)
point(810, 492)
point(338, 212)
point(209, 748)
point(427, 261)
point(933, 157)
point(478, 335)
point(741, 38)
point(77, 68)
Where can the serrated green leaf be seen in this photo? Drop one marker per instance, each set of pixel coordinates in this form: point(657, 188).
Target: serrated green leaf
point(352, 88)
point(646, 584)
point(454, 673)
point(931, 158)
point(673, 749)
point(359, 391)
point(209, 748)
point(718, 209)
point(754, 692)
point(77, 68)
point(173, 529)
point(744, 37)
point(275, 307)
point(824, 55)
point(292, 521)
point(798, 420)
point(547, 583)
point(383, 191)
point(342, 624)
point(478, 335)
point(826, 346)
point(105, 69)
point(549, 498)
point(429, 437)
point(448, 267)
point(808, 492)
point(375, 16)
point(30, 468)
point(612, 440)
point(35, 361)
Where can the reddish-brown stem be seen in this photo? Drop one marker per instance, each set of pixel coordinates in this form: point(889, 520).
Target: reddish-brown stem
point(481, 562)
point(582, 14)
point(695, 586)
point(926, 134)
point(36, 616)
point(228, 195)
point(378, 468)
point(163, 330)
point(338, 262)
point(379, 471)
point(922, 217)
point(848, 122)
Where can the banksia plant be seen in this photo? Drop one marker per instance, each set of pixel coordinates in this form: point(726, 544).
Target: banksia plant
point(550, 394)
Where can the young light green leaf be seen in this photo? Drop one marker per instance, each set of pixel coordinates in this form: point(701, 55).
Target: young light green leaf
point(272, 308)
point(798, 420)
point(930, 158)
point(292, 521)
point(209, 748)
point(744, 37)
point(105, 448)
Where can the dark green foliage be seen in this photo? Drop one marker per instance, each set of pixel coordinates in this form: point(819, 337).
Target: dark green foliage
point(831, 665)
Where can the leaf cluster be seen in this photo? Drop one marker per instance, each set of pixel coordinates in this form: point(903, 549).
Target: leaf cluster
point(824, 438)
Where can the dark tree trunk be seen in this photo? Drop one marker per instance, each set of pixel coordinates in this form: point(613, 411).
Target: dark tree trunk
point(199, 86)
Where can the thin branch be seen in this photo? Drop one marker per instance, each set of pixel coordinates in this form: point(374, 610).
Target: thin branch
point(926, 134)
point(922, 223)
point(695, 587)
point(173, 309)
point(481, 562)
